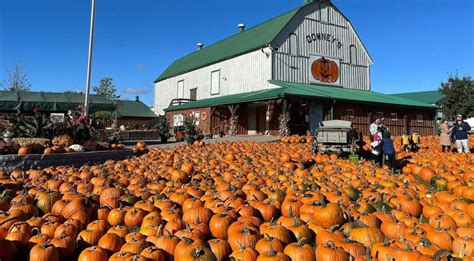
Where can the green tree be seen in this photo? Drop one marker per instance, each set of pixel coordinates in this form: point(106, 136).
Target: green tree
point(458, 96)
point(106, 87)
point(16, 80)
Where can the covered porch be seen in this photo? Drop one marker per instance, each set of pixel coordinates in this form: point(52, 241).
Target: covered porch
point(292, 108)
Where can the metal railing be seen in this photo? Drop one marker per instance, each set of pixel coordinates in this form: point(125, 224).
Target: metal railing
point(180, 101)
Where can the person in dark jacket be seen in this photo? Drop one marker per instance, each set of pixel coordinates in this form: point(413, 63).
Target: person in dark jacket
point(388, 150)
point(459, 132)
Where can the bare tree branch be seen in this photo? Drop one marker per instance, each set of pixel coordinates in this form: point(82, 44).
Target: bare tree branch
point(16, 80)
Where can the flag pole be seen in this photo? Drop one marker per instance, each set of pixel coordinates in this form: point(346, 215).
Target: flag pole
point(89, 62)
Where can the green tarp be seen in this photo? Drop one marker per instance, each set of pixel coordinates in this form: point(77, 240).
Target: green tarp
point(51, 102)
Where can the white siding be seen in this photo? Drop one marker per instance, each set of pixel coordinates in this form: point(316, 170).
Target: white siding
point(244, 73)
point(312, 21)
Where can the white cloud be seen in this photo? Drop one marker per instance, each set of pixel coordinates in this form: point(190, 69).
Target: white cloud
point(135, 90)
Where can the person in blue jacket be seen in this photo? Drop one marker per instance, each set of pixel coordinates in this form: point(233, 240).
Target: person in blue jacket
point(388, 150)
point(459, 132)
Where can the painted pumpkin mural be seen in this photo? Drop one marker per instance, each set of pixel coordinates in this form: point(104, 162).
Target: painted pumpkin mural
point(325, 70)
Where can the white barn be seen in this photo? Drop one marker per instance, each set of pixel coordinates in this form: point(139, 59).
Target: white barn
point(313, 46)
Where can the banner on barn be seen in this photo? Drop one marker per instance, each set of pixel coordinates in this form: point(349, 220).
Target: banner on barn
point(325, 70)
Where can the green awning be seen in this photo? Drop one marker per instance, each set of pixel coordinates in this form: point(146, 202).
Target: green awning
point(51, 102)
point(288, 89)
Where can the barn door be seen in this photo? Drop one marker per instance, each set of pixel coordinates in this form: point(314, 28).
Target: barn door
point(261, 112)
point(315, 116)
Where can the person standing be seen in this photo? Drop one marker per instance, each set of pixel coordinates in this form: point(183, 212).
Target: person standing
point(388, 150)
point(415, 141)
point(459, 131)
point(376, 146)
point(375, 127)
point(405, 141)
point(445, 136)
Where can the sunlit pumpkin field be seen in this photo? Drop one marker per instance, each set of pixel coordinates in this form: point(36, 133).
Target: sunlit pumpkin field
point(243, 201)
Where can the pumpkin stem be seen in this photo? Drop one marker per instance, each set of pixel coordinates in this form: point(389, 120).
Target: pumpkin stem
point(301, 242)
point(187, 240)
point(187, 227)
point(425, 242)
point(198, 252)
point(330, 244)
point(441, 252)
point(36, 231)
point(272, 251)
point(333, 228)
point(296, 222)
point(46, 244)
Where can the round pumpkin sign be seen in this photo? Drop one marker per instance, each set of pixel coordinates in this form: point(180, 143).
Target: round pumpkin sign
point(203, 116)
point(325, 70)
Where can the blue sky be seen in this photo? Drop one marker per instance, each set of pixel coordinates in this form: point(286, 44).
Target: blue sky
point(415, 44)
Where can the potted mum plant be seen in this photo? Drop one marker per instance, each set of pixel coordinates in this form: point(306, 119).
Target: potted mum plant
point(163, 128)
point(190, 129)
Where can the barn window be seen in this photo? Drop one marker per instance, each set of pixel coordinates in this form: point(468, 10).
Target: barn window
point(215, 82)
point(180, 91)
point(394, 116)
point(323, 12)
point(353, 54)
point(193, 93)
point(419, 118)
point(293, 44)
point(379, 115)
point(350, 113)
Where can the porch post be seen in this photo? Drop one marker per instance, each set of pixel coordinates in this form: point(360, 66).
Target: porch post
point(405, 118)
point(284, 120)
point(331, 112)
point(234, 118)
point(269, 115)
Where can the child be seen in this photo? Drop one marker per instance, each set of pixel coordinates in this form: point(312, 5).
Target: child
point(388, 150)
point(405, 141)
point(376, 148)
point(415, 141)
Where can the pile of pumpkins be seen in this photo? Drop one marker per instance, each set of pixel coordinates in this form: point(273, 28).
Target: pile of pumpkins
point(296, 139)
point(241, 201)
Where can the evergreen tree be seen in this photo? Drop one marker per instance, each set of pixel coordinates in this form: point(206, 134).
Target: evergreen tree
point(458, 96)
point(106, 87)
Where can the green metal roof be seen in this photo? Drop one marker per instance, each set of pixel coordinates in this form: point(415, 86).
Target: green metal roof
point(49, 101)
point(428, 97)
point(232, 99)
point(298, 89)
point(136, 109)
point(242, 42)
point(336, 93)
